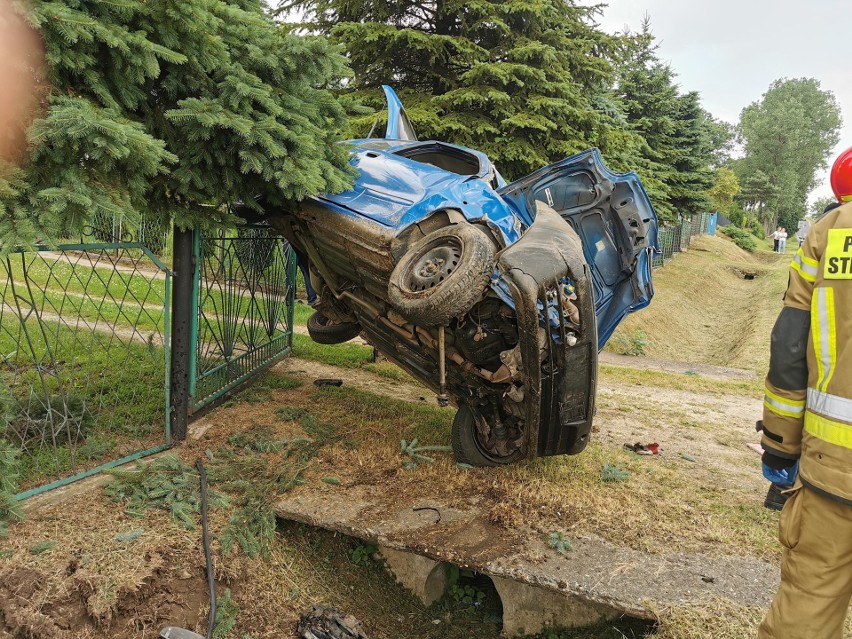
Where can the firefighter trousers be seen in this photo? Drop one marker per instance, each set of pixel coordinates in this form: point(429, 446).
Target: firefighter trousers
point(816, 569)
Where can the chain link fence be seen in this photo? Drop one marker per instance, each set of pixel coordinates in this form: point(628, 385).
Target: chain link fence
point(84, 346)
point(87, 365)
point(674, 238)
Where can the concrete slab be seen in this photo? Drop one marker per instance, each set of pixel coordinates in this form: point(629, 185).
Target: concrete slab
point(596, 572)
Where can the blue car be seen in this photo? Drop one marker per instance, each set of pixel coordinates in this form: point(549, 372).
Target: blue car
point(497, 296)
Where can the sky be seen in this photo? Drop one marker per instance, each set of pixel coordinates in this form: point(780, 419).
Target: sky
point(731, 50)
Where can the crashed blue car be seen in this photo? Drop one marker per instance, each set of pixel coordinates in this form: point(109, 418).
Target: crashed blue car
point(496, 296)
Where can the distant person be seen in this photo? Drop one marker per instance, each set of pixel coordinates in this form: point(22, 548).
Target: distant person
point(807, 428)
point(776, 238)
point(782, 241)
point(305, 267)
point(802, 231)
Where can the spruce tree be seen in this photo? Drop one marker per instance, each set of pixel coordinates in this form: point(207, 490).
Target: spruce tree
point(681, 140)
point(170, 109)
point(527, 82)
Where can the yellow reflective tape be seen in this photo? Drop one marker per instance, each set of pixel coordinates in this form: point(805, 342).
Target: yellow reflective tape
point(817, 335)
point(807, 260)
point(837, 261)
point(846, 198)
point(832, 338)
point(828, 430)
point(824, 332)
point(804, 267)
point(783, 412)
point(784, 400)
point(805, 276)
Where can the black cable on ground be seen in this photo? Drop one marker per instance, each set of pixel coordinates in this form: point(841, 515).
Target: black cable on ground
point(211, 585)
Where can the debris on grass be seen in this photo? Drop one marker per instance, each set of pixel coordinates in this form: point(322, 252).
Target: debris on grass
point(612, 473)
point(226, 615)
point(256, 482)
point(643, 449)
point(257, 438)
point(290, 413)
point(130, 535)
point(415, 453)
point(328, 382)
point(559, 542)
point(688, 458)
point(323, 622)
point(334, 481)
point(165, 483)
point(41, 546)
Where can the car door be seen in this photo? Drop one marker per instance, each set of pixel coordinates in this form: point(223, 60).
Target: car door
point(615, 221)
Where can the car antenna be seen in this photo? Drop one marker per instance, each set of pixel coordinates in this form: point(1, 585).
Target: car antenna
point(373, 128)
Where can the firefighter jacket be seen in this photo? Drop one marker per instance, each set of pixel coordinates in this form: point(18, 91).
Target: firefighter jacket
point(807, 409)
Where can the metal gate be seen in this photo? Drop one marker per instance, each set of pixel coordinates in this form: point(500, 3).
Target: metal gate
point(244, 290)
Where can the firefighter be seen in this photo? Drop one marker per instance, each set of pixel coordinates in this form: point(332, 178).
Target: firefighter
point(807, 427)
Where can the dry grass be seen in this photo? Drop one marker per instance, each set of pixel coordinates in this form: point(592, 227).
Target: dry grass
point(660, 508)
point(616, 375)
point(663, 507)
point(703, 312)
point(718, 619)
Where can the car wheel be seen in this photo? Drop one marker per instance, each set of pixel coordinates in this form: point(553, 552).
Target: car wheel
point(470, 441)
point(442, 275)
point(323, 331)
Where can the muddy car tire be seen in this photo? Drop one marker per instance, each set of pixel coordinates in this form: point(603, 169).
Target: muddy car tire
point(467, 447)
point(442, 275)
point(323, 331)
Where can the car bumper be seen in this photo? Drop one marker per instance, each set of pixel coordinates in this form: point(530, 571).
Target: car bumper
point(561, 391)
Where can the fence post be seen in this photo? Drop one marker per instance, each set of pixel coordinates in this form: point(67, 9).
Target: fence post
point(182, 320)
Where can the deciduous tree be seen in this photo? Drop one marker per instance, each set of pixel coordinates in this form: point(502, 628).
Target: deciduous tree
point(787, 136)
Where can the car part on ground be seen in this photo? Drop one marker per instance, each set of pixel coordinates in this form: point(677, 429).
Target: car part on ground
point(174, 632)
point(322, 622)
point(497, 297)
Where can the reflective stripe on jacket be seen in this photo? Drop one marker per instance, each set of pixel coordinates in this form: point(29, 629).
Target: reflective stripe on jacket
point(807, 408)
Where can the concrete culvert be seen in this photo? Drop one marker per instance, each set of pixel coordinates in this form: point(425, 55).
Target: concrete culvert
point(476, 592)
point(746, 273)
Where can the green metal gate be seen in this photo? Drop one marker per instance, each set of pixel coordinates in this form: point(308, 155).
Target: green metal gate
point(244, 291)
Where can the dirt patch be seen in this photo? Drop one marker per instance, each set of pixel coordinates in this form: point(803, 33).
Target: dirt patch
point(712, 430)
point(33, 605)
point(747, 273)
point(309, 371)
point(679, 368)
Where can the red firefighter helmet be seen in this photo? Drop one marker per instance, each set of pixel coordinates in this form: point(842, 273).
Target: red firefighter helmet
point(841, 176)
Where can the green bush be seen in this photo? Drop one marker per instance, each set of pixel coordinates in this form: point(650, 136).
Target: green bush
point(757, 229)
point(633, 344)
point(741, 238)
